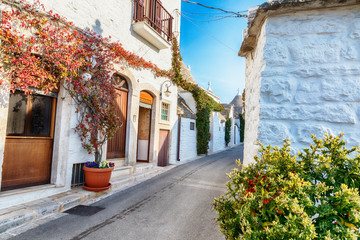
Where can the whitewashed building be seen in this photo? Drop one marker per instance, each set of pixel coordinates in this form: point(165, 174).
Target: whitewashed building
point(149, 133)
point(237, 102)
point(187, 131)
point(302, 72)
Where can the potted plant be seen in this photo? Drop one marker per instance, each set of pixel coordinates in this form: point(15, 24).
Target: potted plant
point(94, 94)
point(97, 176)
point(97, 123)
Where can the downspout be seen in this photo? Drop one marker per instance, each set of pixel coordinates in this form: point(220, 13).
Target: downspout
point(178, 140)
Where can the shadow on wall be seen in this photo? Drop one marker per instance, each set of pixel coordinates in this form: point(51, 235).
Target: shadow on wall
point(97, 27)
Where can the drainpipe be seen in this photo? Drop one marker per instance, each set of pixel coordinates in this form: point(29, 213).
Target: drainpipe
point(178, 140)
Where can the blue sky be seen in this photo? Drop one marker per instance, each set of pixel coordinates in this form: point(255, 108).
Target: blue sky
point(209, 59)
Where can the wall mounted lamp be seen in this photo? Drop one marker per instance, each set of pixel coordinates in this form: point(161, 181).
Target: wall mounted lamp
point(167, 92)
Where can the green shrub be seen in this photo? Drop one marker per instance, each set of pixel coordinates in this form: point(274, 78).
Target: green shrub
point(227, 131)
point(311, 195)
point(242, 127)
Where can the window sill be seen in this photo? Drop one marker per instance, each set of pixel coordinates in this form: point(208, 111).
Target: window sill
point(148, 33)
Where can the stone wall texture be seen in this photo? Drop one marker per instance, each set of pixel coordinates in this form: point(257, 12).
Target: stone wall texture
point(217, 130)
point(303, 79)
point(187, 140)
point(255, 64)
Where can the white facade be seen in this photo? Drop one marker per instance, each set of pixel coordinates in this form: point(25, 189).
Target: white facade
point(187, 139)
point(217, 131)
point(109, 18)
point(302, 75)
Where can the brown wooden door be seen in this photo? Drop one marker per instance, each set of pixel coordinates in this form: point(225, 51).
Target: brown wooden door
point(29, 141)
point(116, 145)
point(144, 128)
point(163, 148)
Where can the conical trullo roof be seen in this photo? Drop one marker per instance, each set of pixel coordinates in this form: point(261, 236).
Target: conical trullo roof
point(238, 104)
point(237, 101)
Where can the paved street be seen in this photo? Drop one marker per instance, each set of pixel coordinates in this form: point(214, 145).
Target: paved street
point(173, 205)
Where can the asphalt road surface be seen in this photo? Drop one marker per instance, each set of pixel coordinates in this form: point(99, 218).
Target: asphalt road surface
point(174, 205)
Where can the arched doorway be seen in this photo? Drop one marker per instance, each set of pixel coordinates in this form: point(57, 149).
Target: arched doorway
point(144, 127)
point(116, 145)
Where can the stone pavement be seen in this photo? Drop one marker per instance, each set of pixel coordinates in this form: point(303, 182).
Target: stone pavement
point(20, 218)
point(17, 219)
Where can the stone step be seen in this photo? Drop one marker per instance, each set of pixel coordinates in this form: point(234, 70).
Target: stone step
point(119, 162)
point(143, 167)
point(121, 171)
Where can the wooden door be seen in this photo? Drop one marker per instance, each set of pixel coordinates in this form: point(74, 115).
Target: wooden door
point(116, 145)
point(144, 134)
point(163, 148)
point(144, 126)
point(29, 141)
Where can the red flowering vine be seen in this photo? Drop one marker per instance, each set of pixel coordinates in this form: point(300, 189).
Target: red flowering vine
point(43, 50)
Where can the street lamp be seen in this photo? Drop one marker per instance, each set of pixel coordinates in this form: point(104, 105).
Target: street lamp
point(167, 92)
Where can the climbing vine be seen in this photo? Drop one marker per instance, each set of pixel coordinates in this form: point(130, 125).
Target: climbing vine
point(42, 50)
point(242, 127)
point(204, 103)
point(227, 131)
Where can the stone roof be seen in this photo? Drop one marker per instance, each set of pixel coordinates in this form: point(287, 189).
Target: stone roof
point(184, 110)
point(237, 111)
point(237, 101)
point(257, 16)
point(227, 108)
point(186, 74)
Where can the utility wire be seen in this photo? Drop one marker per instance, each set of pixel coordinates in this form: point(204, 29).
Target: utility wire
point(210, 15)
point(210, 20)
point(215, 8)
point(222, 43)
point(217, 14)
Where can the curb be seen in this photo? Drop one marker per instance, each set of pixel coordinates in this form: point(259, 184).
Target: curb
point(18, 219)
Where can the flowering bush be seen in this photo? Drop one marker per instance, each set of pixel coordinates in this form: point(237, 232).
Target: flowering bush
point(103, 164)
point(312, 195)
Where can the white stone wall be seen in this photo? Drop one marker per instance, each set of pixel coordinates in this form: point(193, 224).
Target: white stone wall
point(217, 130)
point(237, 126)
point(309, 68)
point(106, 18)
point(187, 140)
point(255, 64)
point(114, 18)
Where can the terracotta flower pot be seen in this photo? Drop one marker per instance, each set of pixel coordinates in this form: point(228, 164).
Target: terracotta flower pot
point(97, 179)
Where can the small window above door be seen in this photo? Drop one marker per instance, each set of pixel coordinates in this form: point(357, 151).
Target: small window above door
point(121, 82)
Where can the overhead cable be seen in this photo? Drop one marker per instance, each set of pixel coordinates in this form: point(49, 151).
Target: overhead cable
point(215, 8)
point(209, 20)
point(222, 43)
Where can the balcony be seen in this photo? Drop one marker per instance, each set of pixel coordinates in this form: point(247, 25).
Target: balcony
point(153, 22)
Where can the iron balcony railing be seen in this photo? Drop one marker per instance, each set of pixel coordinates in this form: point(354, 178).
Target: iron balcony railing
point(154, 14)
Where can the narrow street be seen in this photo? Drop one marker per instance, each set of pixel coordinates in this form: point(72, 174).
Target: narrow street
point(173, 205)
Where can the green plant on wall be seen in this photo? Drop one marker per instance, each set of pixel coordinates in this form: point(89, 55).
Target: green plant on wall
point(242, 127)
point(227, 131)
point(204, 103)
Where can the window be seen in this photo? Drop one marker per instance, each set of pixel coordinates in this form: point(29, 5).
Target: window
point(192, 126)
point(165, 112)
point(120, 82)
point(29, 115)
